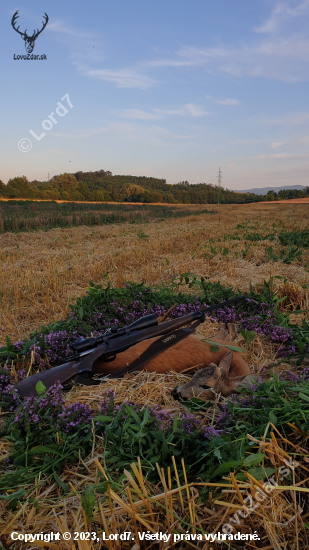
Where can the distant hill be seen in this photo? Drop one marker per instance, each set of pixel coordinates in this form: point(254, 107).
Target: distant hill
point(264, 190)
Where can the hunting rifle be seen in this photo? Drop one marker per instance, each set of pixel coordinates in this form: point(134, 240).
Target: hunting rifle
point(105, 347)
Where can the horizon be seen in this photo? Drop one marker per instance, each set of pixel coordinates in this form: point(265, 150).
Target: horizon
point(170, 91)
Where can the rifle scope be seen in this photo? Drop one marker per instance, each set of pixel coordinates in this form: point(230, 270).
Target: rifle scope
point(84, 344)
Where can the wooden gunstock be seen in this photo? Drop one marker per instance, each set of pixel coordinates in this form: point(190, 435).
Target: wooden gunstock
point(62, 373)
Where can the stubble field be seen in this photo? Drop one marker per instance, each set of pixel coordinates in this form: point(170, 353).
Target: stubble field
point(42, 272)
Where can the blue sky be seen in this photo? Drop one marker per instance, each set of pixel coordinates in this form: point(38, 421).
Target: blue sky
point(171, 89)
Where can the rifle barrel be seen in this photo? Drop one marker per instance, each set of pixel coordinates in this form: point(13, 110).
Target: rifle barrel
point(224, 304)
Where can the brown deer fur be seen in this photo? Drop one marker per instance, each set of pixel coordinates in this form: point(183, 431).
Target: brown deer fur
point(190, 352)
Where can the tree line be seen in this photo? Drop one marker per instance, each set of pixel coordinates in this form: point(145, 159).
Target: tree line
point(285, 194)
point(102, 186)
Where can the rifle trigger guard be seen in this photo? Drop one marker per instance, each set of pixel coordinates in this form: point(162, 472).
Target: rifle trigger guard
point(110, 358)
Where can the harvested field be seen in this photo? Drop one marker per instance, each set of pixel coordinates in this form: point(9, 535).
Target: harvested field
point(304, 200)
point(41, 273)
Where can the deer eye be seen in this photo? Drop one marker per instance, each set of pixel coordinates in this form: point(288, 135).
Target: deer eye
point(206, 387)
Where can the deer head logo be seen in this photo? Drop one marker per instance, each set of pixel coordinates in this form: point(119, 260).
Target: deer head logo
point(29, 40)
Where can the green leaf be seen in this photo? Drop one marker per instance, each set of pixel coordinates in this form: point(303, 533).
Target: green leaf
point(63, 486)
point(20, 460)
point(214, 349)
point(269, 253)
point(40, 450)
point(280, 300)
point(233, 348)
point(305, 325)
point(253, 460)
point(272, 418)
point(40, 388)
point(258, 473)
point(88, 501)
point(248, 335)
point(102, 487)
point(145, 418)
point(17, 495)
point(157, 435)
point(218, 454)
point(226, 467)
point(303, 396)
point(8, 343)
point(132, 413)
point(101, 418)
point(155, 459)
point(197, 404)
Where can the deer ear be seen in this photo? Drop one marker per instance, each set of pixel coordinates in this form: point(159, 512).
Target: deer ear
point(225, 362)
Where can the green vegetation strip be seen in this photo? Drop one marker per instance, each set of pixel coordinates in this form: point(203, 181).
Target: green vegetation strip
point(18, 216)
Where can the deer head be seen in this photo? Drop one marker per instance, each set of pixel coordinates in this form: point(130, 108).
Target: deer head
point(211, 380)
point(29, 40)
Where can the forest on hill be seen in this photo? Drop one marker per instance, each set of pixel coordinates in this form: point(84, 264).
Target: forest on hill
point(102, 186)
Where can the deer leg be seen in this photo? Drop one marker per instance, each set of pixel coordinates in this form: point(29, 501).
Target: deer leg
point(221, 334)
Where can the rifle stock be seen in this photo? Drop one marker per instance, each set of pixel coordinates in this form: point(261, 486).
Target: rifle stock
point(62, 373)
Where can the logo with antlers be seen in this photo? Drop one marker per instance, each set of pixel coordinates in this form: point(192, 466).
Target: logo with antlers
point(29, 40)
